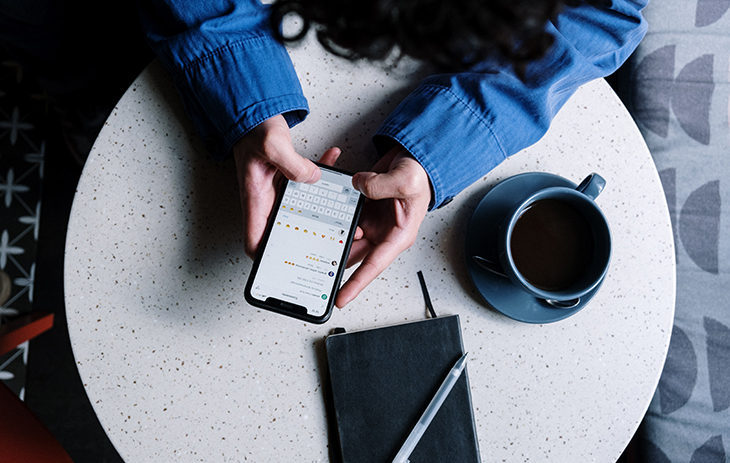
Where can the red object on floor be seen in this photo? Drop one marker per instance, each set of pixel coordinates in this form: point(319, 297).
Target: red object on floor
point(23, 438)
point(23, 329)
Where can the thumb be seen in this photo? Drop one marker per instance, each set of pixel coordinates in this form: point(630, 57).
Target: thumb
point(396, 183)
point(271, 141)
point(294, 167)
point(374, 186)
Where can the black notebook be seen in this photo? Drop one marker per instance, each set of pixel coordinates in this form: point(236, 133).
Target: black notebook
point(382, 380)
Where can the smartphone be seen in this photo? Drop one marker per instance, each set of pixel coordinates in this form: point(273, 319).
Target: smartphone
point(300, 262)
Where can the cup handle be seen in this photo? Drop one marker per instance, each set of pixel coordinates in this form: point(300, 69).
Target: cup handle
point(592, 186)
point(489, 265)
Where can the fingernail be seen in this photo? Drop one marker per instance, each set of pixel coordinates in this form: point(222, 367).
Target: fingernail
point(315, 176)
point(356, 181)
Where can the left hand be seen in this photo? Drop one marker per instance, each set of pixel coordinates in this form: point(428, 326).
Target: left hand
point(398, 192)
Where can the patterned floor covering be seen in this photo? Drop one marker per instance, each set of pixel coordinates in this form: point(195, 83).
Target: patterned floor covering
point(23, 118)
point(38, 177)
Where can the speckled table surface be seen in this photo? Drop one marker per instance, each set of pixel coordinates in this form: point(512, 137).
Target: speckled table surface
point(180, 368)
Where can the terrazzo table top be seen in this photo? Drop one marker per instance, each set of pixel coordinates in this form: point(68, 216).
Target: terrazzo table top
point(179, 368)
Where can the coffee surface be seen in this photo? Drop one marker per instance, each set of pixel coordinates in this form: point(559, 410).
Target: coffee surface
point(552, 245)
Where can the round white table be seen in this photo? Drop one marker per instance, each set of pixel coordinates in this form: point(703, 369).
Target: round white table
point(179, 368)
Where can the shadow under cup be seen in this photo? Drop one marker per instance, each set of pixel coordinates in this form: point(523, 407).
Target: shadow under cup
point(556, 244)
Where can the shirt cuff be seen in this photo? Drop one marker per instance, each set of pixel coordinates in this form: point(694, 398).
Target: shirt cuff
point(233, 88)
point(454, 144)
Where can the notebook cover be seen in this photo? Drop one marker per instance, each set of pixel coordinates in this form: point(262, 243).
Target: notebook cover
point(381, 382)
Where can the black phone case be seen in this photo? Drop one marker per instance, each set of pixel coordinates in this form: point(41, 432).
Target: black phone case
point(340, 269)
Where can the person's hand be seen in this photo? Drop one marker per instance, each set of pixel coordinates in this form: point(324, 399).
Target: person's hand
point(262, 156)
point(398, 192)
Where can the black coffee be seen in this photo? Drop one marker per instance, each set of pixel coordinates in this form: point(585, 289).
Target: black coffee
point(552, 245)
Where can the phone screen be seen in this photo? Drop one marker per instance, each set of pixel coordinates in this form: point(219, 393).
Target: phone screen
point(302, 260)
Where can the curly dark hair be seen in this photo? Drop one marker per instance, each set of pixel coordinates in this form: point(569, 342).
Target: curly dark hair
point(450, 34)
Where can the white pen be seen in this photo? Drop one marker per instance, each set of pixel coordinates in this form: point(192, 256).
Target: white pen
point(430, 412)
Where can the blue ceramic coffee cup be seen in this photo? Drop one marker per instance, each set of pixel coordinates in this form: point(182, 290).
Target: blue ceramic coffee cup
point(555, 244)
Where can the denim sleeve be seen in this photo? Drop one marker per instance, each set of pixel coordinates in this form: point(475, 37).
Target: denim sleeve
point(231, 72)
point(461, 126)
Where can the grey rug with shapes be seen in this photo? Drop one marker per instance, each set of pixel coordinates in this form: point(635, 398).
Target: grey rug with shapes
point(677, 87)
point(23, 117)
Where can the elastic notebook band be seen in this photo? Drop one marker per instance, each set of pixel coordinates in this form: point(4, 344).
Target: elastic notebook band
point(429, 306)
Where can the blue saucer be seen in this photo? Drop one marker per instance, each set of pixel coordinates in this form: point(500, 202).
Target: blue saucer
point(481, 239)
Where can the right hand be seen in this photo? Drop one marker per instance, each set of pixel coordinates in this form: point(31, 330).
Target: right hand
point(398, 193)
point(262, 156)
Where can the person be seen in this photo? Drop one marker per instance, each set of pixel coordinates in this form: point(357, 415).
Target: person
point(505, 68)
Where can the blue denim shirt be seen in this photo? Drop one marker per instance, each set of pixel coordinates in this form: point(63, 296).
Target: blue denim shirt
point(232, 75)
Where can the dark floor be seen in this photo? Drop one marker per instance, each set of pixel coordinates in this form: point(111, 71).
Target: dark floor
point(53, 389)
point(49, 381)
